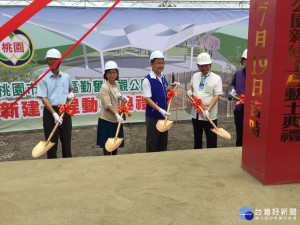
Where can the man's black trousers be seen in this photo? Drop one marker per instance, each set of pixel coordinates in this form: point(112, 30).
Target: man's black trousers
point(155, 141)
point(239, 121)
point(64, 131)
point(211, 137)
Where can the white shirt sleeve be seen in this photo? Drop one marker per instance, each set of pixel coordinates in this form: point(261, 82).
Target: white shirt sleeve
point(41, 89)
point(218, 90)
point(146, 88)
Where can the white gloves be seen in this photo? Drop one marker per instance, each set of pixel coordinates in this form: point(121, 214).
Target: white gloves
point(206, 113)
point(178, 83)
point(119, 118)
point(189, 92)
point(125, 98)
point(163, 112)
point(233, 92)
point(56, 118)
point(70, 95)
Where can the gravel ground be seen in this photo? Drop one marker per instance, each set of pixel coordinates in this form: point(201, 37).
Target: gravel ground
point(18, 145)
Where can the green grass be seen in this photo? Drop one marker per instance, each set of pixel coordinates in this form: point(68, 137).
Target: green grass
point(229, 45)
point(77, 52)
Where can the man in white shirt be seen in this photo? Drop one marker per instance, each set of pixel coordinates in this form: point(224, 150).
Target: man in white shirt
point(207, 86)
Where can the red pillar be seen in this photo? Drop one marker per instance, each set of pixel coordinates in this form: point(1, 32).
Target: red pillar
point(271, 145)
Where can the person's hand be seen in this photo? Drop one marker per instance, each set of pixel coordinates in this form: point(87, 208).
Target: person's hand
point(119, 118)
point(70, 95)
point(189, 92)
point(125, 98)
point(178, 83)
point(56, 118)
point(163, 112)
point(233, 92)
point(206, 113)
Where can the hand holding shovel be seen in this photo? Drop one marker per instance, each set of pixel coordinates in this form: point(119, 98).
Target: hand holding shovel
point(113, 143)
point(235, 97)
point(241, 99)
point(164, 125)
point(44, 146)
point(219, 131)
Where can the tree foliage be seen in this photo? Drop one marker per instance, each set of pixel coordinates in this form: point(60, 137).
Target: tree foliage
point(25, 73)
point(235, 60)
point(167, 4)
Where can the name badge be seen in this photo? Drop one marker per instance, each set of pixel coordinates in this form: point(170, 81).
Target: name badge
point(201, 86)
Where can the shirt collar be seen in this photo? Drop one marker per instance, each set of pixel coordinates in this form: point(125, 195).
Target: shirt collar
point(205, 76)
point(153, 75)
point(52, 74)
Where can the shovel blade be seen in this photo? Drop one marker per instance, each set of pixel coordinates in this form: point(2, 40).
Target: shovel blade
point(113, 143)
point(222, 133)
point(164, 125)
point(41, 148)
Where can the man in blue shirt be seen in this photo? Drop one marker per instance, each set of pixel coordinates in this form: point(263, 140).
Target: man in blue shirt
point(155, 88)
point(54, 89)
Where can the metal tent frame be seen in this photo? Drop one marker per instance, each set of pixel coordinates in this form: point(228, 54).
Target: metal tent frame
point(226, 4)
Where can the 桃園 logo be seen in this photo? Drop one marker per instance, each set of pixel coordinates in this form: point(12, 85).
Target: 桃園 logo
point(16, 50)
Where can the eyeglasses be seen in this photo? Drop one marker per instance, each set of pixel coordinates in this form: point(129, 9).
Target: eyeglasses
point(111, 73)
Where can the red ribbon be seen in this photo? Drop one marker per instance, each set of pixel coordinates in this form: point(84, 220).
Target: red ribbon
point(171, 94)
point(242, 101)
point(125, 109)
point(198, 102)
point(65, 108)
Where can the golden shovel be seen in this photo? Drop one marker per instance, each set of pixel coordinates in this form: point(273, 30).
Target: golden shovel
point(113, 143)
point(219, 131)
point(164, 125)
point(44, 146)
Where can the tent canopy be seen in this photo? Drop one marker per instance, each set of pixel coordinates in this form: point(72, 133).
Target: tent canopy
point(151, 33)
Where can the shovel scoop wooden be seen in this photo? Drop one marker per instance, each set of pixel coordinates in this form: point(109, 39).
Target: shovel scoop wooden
point(164, 125)
point(219, 131)
point(113, 143)
point(44, 146)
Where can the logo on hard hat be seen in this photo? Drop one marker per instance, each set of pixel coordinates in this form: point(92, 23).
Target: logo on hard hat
point(16, 50)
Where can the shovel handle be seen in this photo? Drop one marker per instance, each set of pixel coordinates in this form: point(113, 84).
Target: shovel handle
point(169, 105)
point(119, 124)
point(212, 123)
point(57, 124)
point(235, 97)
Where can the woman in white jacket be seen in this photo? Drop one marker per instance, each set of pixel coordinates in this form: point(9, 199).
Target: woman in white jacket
point(110, 95)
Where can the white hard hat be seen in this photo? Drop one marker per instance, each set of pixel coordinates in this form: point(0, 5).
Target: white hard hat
point(156, 55)
point(244, 54)
point(111, 65)
point(53, 53)
point(203, 59)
